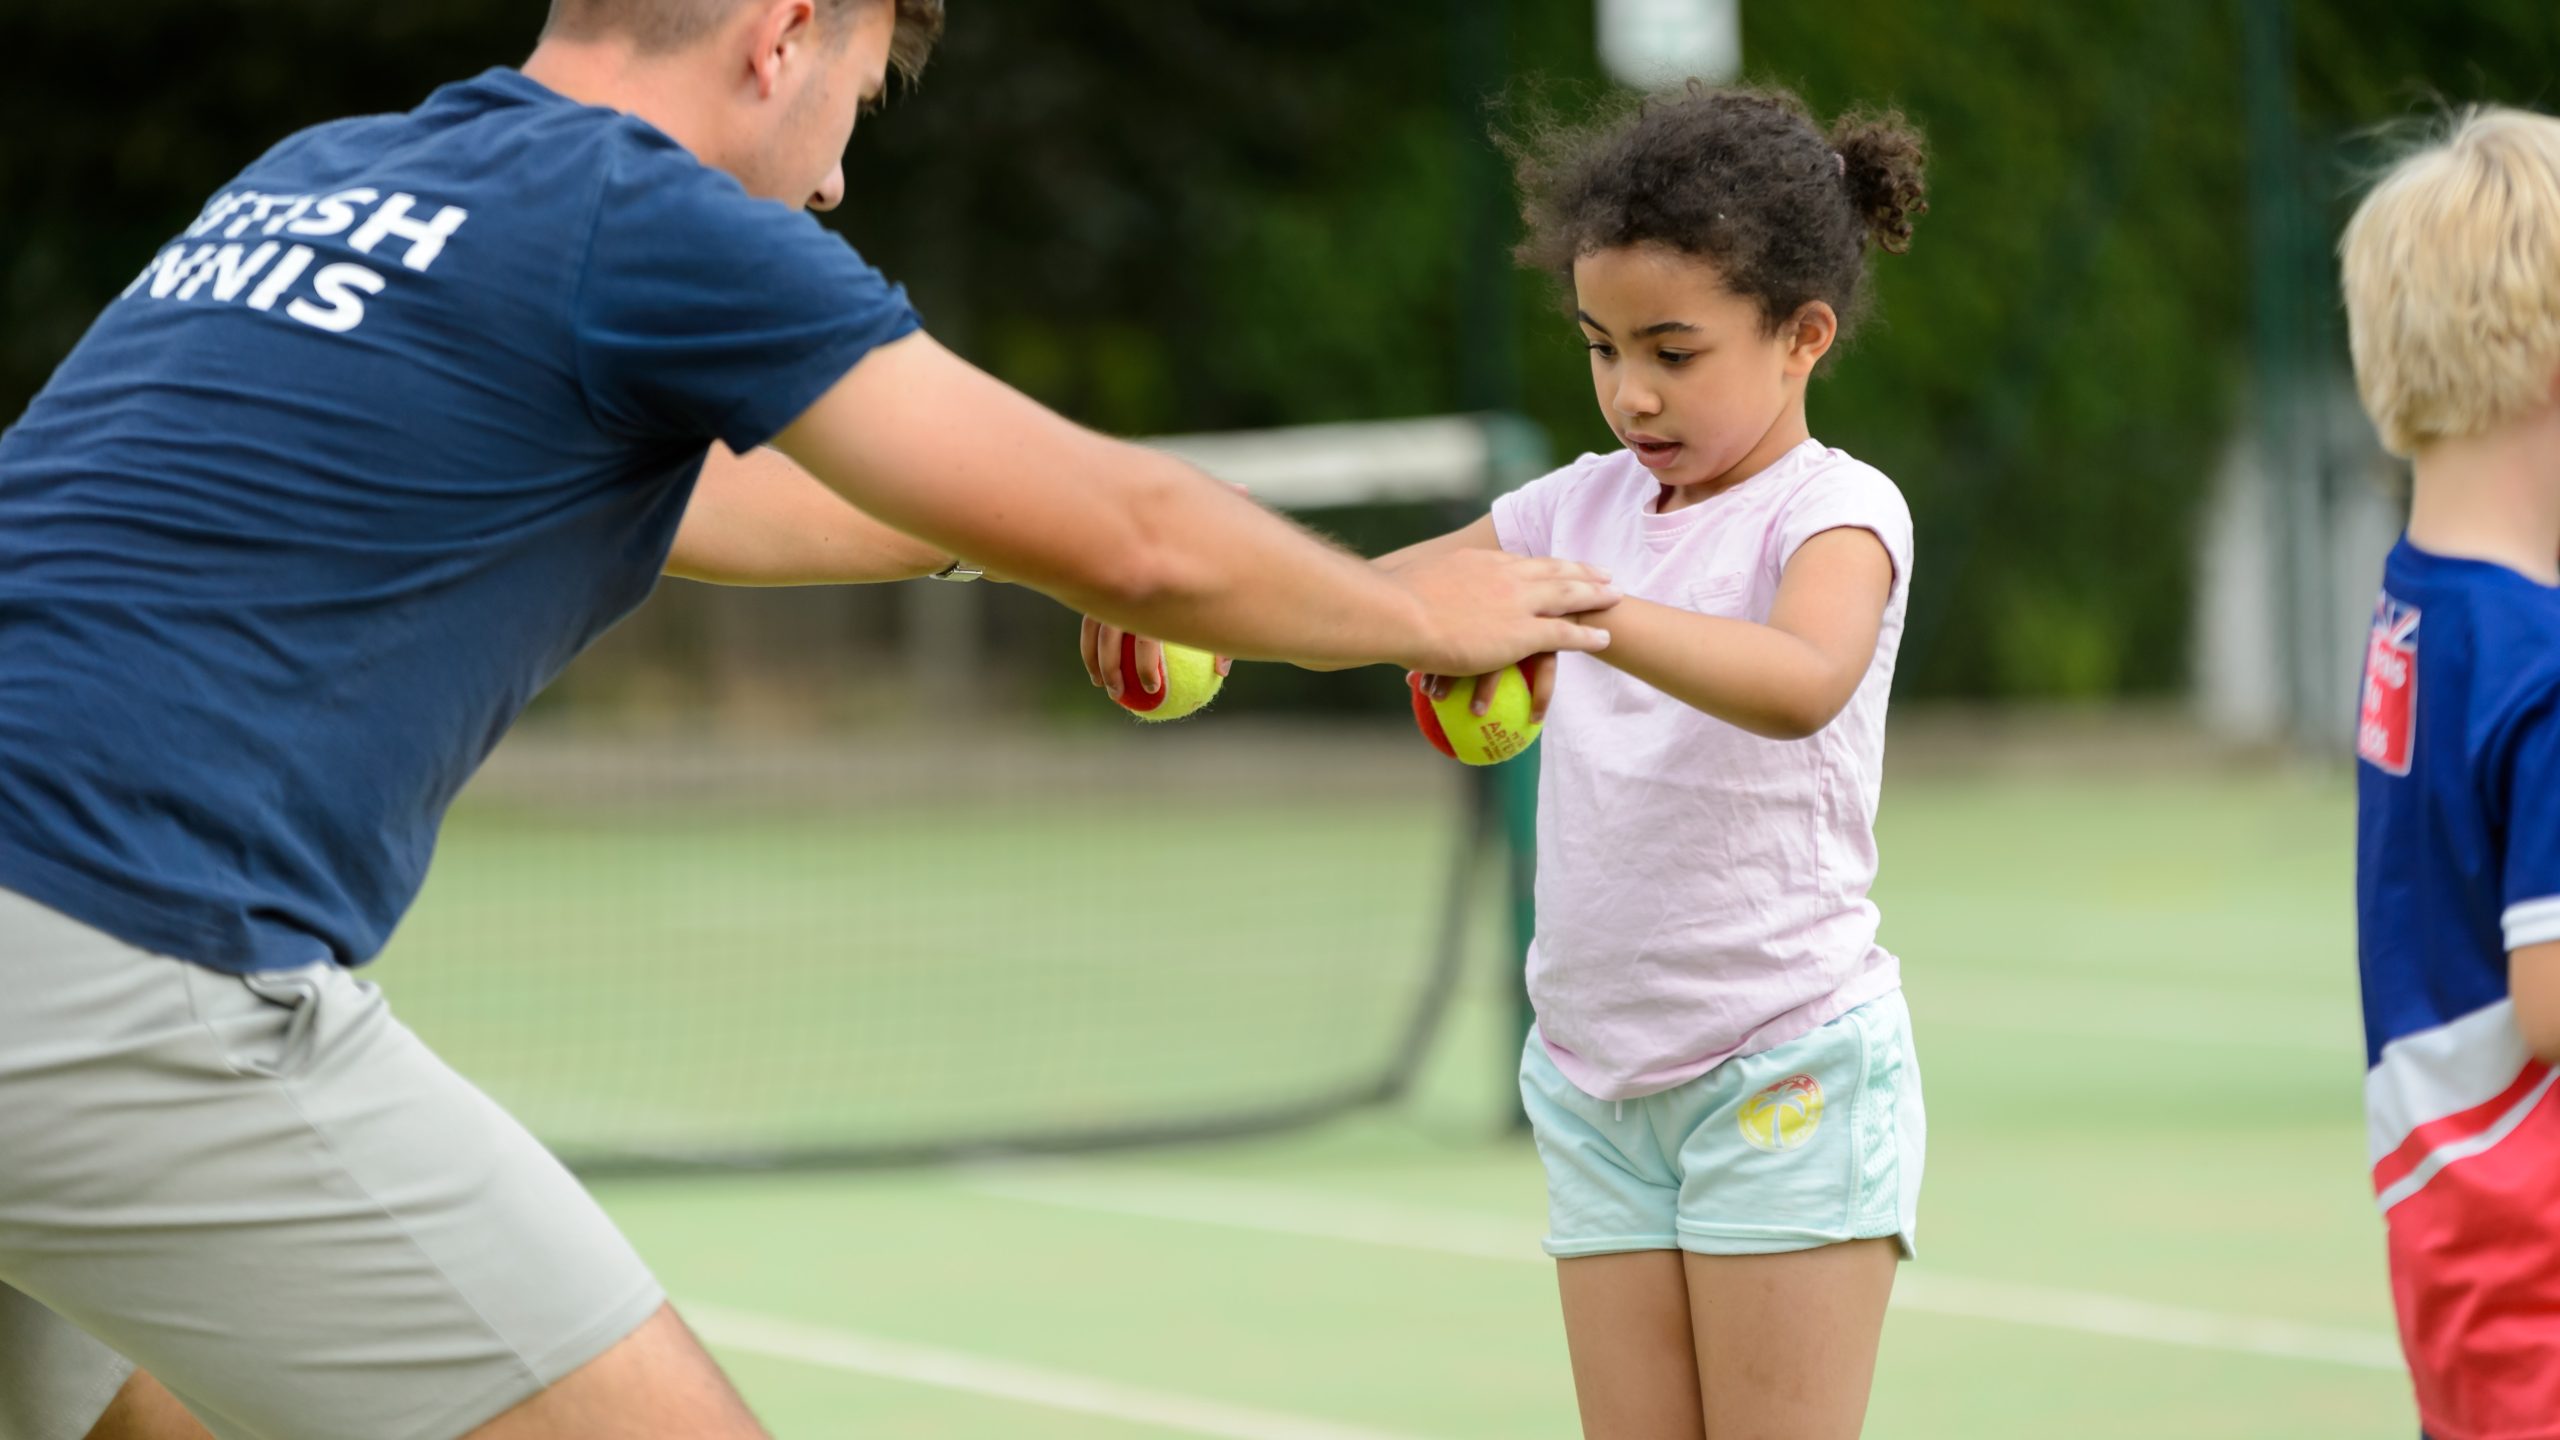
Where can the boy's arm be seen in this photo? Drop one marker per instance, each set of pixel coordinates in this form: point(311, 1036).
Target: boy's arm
point(759, 519)
point(1785, 679)
point(936, 448)
point(2530, 878)
point(2533, 976)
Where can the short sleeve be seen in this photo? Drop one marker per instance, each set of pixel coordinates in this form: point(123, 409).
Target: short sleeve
point(702, 311)
point(1853, 497)
point(1525, 519)
point(2530, 886)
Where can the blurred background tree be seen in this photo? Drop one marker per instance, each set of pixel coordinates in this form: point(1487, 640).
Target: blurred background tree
point(1168, 217)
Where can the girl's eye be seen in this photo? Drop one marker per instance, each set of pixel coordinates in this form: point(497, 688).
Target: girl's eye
point(1605, 352)
point(1674, 357)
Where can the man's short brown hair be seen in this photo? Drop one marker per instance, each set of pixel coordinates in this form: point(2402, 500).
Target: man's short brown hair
point(658, 26)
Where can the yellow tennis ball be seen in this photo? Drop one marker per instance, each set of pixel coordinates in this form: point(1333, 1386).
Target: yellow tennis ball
point(1455, 730)
point(1191, 680)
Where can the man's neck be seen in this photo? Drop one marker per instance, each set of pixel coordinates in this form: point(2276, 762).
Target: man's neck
point(2494, 497)
point(610, 75)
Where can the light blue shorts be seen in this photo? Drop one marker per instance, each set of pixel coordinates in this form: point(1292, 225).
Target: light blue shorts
point(1813, 1143)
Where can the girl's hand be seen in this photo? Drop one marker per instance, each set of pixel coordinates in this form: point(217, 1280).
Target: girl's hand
point(1541, 670)
point(1100, 644)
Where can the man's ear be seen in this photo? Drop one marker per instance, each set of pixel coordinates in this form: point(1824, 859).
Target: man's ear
point(776, 33)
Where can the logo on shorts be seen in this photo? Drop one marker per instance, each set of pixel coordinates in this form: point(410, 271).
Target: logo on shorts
point(1784, 1115)
point(2387, 721)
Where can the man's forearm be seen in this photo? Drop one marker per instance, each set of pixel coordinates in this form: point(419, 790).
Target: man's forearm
point(1133, 537)
point(1128, 534)
point(760, 519)
point(1245, 586)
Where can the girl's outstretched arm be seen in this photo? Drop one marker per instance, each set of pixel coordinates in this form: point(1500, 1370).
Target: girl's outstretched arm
point(1785, 679)
point(1476, 536)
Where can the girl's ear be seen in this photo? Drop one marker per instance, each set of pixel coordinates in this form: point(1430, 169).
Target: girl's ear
point(1809, 336)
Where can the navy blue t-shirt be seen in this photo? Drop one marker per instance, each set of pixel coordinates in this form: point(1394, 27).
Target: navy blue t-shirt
point(2458, 805)
point(403, 422)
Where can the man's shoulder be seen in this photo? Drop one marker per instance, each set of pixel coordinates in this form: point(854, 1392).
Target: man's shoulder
point(496, 130)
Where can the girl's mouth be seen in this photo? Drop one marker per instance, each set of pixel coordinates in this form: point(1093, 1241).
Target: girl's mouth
point(1654, 454)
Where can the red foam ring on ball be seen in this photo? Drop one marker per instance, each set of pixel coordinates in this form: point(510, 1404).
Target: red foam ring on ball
point(1133, 696)
point(1429, 719)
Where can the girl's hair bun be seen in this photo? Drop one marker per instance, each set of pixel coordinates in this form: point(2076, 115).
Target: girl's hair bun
point(1880, 161)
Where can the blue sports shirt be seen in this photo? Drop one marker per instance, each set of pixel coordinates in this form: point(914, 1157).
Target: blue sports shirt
point(2457, 865)
point(353, 468)
point(2458, 801)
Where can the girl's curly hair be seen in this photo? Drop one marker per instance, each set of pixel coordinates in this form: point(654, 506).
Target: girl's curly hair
point(1744, 178)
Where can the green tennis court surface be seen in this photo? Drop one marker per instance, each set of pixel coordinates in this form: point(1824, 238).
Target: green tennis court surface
point(2145, 1215)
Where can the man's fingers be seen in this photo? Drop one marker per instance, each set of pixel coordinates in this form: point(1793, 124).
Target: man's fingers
point(1565, 635)
point(1576, 570)
point(1226, 667)
point(1086, 634)
point(1150, 665)
point(1574, 596)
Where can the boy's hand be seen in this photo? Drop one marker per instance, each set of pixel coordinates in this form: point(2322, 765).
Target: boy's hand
point(1101, 646)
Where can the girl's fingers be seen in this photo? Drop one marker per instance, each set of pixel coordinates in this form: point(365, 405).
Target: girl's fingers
point(1541, 670)
point(1107, 646)
point(1087, 634)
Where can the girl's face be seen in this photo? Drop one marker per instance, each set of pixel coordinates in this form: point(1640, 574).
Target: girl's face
point(1686, 372)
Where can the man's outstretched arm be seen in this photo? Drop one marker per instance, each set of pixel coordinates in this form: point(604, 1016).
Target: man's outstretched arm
point(759, 519)
point(931, 445)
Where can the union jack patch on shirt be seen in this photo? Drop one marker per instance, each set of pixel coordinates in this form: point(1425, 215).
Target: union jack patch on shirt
point(2387, 723)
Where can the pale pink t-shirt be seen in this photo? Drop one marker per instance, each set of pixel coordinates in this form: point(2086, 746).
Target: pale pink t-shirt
point(1702, 892)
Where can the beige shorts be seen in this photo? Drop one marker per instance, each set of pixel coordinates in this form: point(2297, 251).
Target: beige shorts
point(267, 1192)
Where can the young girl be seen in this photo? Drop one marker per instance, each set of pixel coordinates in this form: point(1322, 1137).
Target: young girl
point(1721, 1077)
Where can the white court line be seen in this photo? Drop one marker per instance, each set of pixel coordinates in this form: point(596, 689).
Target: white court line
point(2126, 1318)
point(1246, 1205)
point(2342, 1042)
point(835, 1349)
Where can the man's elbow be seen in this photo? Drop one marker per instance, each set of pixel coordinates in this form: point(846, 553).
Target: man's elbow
point(1155, 561)
point(1134, 578)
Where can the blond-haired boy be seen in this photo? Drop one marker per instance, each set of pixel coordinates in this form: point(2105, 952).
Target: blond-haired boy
point(2452, 277)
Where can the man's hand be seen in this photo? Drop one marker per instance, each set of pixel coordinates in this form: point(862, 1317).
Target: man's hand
point(1489, 609)
point(1483, 603)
